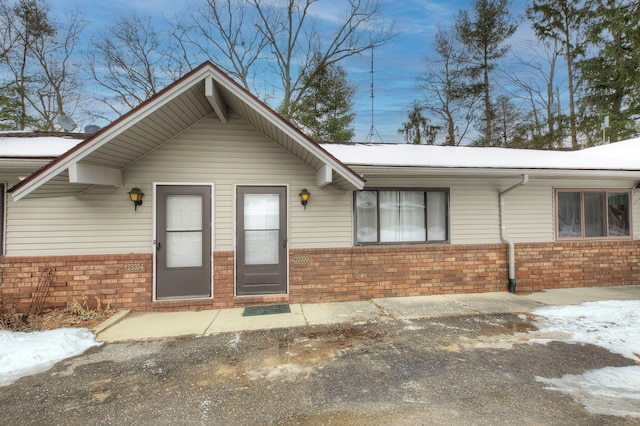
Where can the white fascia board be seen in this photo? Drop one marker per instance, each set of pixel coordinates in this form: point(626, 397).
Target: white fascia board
point(492, 172)
point(95, 175)
point(105, 136)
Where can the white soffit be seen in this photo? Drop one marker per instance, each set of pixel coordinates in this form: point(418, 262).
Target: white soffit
point(183, 103)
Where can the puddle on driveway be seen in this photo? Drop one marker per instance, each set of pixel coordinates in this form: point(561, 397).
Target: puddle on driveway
point(291, 358)
point(501, 332)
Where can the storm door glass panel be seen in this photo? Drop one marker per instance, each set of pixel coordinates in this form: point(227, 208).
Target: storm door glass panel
point(184, 231)
point(595, 221)
point(436, 216)
point(618, 214)
point(411, 215)
point(390, 216)
point(569, 215)
point(366, 216)
point(262, 228)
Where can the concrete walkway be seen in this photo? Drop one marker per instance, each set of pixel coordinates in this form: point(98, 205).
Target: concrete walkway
point(126, 326)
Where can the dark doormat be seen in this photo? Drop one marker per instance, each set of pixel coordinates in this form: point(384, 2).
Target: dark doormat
point(266, 310)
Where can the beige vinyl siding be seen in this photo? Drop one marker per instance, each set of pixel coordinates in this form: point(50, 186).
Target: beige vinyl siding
point(528, 212)
point(529, 209)
point(473, 206)
point(474, 214)
point(100, 222)
point(104, 221)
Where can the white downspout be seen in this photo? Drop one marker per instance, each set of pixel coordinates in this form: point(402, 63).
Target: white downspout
point(503, 237)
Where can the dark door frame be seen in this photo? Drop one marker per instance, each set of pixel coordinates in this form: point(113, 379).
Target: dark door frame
point(285, 212)
point(155, 230)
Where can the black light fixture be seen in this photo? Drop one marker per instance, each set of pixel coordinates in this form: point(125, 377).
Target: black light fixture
point(136, 196)
point(304, 197)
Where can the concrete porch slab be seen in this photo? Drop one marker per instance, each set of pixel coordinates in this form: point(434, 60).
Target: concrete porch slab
point(156, 325)
point(232, 320)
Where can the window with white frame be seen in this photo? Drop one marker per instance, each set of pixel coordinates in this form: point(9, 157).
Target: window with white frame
point(593, 213)
point(401, 216)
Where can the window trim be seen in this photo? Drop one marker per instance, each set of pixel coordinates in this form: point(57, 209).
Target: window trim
point(425, 190)
point(607, 191)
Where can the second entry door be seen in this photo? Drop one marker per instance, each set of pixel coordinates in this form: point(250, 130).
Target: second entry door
point(261, 240)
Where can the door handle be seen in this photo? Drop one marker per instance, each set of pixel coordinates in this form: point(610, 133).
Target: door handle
point(157, 244)
point(284, 243)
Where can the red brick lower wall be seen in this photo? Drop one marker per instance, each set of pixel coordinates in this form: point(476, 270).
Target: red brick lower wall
point(337, 274)
point(543, 266)
point(388, 271)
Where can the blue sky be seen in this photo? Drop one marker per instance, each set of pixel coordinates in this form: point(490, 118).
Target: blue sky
point(396, 65)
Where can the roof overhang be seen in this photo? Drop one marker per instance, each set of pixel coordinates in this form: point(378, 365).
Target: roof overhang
point(23, 165)
point(488, 173)
point(103, 158)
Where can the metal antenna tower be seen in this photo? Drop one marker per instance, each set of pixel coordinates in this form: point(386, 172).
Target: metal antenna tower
point(372, 131)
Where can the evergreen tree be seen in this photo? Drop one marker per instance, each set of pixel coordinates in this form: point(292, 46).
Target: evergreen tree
point(510, 126)
point(11, 111)
point(610, 77)
point(484, 36)
point(560, 20)
point(416, 129)
point(325, 112)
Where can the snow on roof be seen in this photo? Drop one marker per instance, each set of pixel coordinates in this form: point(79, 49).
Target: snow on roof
point(623, 155)
point(33, 145)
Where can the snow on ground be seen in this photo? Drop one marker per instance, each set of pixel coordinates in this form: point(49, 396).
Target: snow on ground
point(23, 354)
point(613, 325)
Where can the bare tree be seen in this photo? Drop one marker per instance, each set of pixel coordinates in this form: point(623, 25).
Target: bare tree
point(59, 89)
point(6, 29)
point(27, 21)
point(448, 94)
point(37, 56)
point(130, 63)
point(247, 36)
point(510, 126)
point(561, 20)
point(224, 31)
point(534, 83)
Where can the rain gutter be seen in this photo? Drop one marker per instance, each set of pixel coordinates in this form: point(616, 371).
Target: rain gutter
point(503, 237)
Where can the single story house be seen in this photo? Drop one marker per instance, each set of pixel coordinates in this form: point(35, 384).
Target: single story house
point(24, 152)
point(240, 208)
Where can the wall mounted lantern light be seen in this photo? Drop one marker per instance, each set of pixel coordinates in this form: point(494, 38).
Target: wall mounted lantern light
point(304, 197)
point(136, 197)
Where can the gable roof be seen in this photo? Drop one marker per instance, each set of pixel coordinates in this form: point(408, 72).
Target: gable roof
point(201, 92)
point(618, 159)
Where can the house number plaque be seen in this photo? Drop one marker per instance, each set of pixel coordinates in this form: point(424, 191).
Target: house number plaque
point(135, 267)
point(300, 258)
